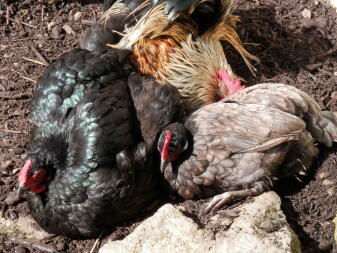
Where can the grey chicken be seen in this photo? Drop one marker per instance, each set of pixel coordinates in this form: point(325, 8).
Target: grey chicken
point(240, 145)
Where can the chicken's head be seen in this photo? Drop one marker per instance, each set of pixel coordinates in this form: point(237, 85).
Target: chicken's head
point(32, 180)
point(171, 143)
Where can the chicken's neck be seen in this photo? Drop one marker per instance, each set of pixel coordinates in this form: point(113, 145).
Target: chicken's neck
point(150, 55)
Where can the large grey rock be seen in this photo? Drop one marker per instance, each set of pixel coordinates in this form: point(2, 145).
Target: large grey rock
point(23, 227)
point(333, 3)
point(261, 227)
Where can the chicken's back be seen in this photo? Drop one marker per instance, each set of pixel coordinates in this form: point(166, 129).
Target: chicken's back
point(65, 82)
point(234, 145)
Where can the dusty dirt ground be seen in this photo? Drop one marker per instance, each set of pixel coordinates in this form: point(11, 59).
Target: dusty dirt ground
point(294, 50)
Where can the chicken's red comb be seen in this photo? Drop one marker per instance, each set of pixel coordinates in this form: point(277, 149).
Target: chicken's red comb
point(24, 172)
point(168, 137)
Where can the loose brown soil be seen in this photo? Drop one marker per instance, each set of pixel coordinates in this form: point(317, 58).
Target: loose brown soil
point(294, 50)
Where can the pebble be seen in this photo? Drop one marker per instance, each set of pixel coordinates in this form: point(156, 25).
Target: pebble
point(69, 30)
point(331, 191)
point(6, 164)
point(51, 25)
point(56, 32)
point(12, 198)
point(334, 94)
point(18, 151)
point(20, 249)
point(306, 13)
point(322, 175)
point(78, 16)
point(328, 182)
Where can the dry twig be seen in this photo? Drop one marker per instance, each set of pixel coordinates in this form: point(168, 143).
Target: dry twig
point(7, 15)
point(21, 22)
point(12, 131)
point(29, 244)
point(13, 96)
point(24, 77)
point(38, 54)
point(35, 61)
point(42, 13)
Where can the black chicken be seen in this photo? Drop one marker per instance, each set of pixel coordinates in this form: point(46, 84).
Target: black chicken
point(240, 145)
point(90, 162)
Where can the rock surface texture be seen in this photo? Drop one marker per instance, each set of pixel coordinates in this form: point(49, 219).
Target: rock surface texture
point(23, 227)
point(260, 227)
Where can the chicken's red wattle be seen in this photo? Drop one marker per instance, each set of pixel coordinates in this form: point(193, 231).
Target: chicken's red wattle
point(168, 137)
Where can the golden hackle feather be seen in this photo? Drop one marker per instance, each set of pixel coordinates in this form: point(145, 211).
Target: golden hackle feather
point(155, 24)
point(224, 30)
point(193, 70)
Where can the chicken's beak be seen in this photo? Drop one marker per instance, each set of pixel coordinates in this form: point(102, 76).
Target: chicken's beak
point(163, 164)
point(21, 191)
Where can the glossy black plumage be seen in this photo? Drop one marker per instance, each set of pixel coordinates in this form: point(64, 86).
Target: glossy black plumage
point(203, 8)
point(149, 97)
point(88, 137)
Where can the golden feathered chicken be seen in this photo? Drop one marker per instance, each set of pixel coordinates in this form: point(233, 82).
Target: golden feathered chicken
point(187, 51)
point(239, 146)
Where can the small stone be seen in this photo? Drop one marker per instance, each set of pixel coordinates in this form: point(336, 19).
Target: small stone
point(331, 191)
point(12, 198)
point(51, 25)
point(20, 249)
point(19, 151)
point(23, 156)
point(16, 113)
point(327, 182)
point(335, 73)
point(78, 16)
point(316, 2)
point(322, 175)
point(56, 32)
point(306, 13)
point(334, 94)
point(69, 30)
point(6, 164)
